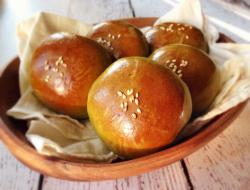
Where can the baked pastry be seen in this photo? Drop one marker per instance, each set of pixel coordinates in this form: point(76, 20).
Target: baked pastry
point(121, 39)
point(175, 33)
point(138, 107)
point(62, 70)
point(195, 68)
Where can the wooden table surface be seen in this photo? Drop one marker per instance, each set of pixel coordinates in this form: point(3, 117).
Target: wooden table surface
point(222, 164)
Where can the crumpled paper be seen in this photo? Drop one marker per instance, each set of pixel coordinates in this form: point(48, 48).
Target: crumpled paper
point(59, 135)
point(53, 134)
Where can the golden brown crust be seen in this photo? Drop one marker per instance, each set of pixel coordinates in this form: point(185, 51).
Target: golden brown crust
point(175, 33)
point(195, 68)
point(121, 39)
point(62, 70)
point(138, 107)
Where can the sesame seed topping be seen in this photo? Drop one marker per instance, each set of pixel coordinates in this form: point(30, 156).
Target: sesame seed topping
point(132, 98)
point(129, 92)
point(138, 110)
point(47, 78)
point(167, 61)
point(179, 71)
point(134, 115)
point(174, 60)
point(136, 94)
point(162, 28)
point(61, 74)
point(187, 37)
point(122, 105)
point(125, 109)
point(180, 75)
point(47, 67)
point(119, 93)
point(119, 35)
point(136, 101)
point(171, 65)
point(124, 96)
point(109, 35)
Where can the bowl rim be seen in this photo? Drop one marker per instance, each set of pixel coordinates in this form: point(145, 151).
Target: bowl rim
point(102, 171)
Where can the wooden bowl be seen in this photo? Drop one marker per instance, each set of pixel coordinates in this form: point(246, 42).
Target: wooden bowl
point(12, 134)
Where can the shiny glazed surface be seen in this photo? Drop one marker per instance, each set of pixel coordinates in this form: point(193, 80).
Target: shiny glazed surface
point(138, 107)
point(63, 69)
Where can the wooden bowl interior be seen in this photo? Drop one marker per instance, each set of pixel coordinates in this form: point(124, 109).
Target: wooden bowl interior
point(12, 132)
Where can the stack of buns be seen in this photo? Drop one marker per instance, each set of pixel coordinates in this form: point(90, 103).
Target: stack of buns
point(137, 102)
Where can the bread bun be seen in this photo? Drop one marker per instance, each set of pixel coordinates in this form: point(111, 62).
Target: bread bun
point(62, 70)
point(175, 33)
point(138, 107)
point(121, 39)
point(195, 68)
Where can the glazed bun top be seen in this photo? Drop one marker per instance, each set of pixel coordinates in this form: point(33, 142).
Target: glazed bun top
point(195, 68)
point(175, 33)
point(138, 107)
point(62, 70)
point(121, 39)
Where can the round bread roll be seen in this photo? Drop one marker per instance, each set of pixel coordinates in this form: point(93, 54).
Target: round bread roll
point(62, 70)
point(138, 107)
point(195, 68)
point(121, 39)
point(175, 33)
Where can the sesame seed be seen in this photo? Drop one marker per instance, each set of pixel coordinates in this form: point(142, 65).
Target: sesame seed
point(125, 109)
point(132, 98)
point(113, 37)
point(174, 69)
point(64, 65)
point(136, 94)
point(162, 28)
point(180, 75)
point(134, 115)
point(129, 92)
point(171, 65)
point(119, 35)
point(61, 74)
point(47, 78)
point(167, 61)
point(47, 67)
point(187, 37)
point(99, 40)
point(109, 35)
point(108, 43)
point(124, 96)
point(138, 110)
point(179, 71)
point(119, 93)
point(136, 101)
point(122, 105)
